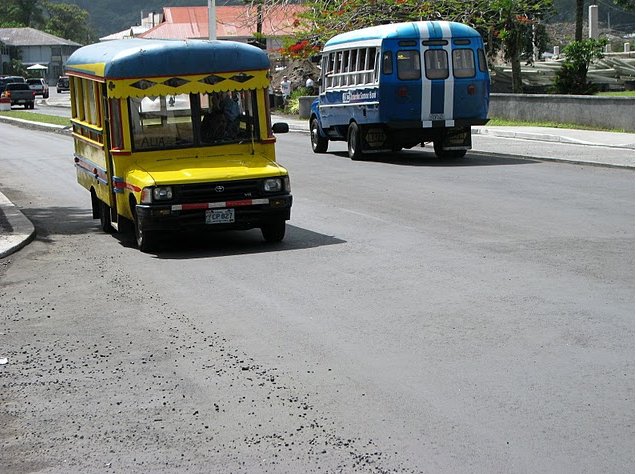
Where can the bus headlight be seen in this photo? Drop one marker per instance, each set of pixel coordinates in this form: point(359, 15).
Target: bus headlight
point(160, 193)
point(273, 185)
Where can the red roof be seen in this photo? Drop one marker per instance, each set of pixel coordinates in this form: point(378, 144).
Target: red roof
point(231, 22)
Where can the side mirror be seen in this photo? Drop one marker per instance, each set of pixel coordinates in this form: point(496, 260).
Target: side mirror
point(280, 127)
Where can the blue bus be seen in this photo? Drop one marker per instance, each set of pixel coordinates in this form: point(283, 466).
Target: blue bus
point(389, 87)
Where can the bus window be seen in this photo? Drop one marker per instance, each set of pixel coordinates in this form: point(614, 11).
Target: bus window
point(463, 63)
point(344, 68)
point(387, 64)
point(161, 122)
point(227, 117)
point(363, 55)
point(408, 65)
point(335, 80)
point(436, 64)
point(327, 70)
point(353, 67)
point(376, 67)
point(116, 135)
point(483, 65)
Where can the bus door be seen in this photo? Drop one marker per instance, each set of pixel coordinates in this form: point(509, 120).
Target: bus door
point(117, 156)
point(437, 84)
point(439, 88)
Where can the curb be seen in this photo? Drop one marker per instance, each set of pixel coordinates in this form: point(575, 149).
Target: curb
point(16, 230)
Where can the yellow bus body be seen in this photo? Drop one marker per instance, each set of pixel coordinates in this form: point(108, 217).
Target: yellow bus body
point(176, 135)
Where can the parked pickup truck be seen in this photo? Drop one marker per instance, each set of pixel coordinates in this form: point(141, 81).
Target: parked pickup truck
point(20, 94)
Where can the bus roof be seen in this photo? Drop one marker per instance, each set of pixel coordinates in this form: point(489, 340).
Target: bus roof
point(134, 58)
point(415, 29)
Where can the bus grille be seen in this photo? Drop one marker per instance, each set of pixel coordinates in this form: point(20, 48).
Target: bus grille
point(219, 191)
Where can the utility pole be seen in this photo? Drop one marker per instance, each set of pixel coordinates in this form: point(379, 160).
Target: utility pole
point(212, 19)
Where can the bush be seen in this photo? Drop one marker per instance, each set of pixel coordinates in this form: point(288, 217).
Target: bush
point(292, 106)
point(572, 77)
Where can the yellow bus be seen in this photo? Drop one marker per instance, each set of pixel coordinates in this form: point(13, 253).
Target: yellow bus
point(177, 135)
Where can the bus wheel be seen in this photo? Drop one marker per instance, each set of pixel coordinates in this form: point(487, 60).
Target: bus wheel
point(274, 232)
point(318, 144)
point(353, 142)
point(104, 217)
point(447, 154)
point(143, 237)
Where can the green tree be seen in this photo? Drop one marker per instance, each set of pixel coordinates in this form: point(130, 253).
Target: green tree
point(572, 77)
point(69, 22)
point(21, 13)
point(514, 21)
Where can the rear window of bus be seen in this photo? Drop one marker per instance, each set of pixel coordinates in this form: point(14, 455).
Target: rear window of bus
point(408, 65)
point(463, 63)
point(436, 63)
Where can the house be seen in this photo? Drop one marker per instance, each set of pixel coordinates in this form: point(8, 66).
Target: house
point(237, 23)
point(35, 47)
point(147, 22)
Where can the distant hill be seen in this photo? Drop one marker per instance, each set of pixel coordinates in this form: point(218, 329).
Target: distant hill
point(111, 16)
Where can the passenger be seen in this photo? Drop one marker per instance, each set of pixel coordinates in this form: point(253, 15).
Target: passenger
point(214, 122)
point(232, 111)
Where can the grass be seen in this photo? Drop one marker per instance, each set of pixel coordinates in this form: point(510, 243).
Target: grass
point(36, 117)
point(617, 94)
point(497, 122)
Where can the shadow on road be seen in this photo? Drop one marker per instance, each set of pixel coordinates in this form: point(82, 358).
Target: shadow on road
point(60, 221)
point(174, 245)
point(189, 245)
point(428, 158)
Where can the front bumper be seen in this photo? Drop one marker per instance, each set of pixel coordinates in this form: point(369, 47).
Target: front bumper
point(184, 217)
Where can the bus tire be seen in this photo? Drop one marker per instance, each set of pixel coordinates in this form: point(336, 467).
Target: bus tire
point(354, 142)
point(447, 154)
point(319, 144)
point(104, 217)
point(274, 231)
point(144, 238)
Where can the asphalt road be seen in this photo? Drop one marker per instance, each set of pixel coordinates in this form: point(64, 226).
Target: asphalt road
point(420, 316)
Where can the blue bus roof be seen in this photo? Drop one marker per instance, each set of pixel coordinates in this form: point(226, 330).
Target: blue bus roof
point(131, 58)
point(414, 29)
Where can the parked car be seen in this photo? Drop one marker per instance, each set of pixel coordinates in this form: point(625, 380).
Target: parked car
point(63, 84)
point(4, 80)
point(39, 86)
point(20, 94)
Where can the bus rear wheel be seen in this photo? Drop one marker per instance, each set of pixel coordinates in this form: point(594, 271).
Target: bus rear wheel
point(354, 142)
point(319, 144)
point(447, 154)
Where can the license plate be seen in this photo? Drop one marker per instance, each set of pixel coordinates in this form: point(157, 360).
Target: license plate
point(219, 216)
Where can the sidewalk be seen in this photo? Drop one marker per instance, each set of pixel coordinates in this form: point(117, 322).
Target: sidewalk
point(16, 230)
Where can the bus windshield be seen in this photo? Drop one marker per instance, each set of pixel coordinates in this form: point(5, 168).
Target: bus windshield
point(186, 120)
